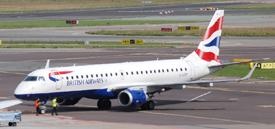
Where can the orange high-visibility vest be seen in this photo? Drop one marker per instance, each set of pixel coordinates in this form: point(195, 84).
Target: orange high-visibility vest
point(36, 103)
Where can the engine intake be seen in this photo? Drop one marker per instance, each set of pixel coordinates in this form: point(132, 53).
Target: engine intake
point(132, 98)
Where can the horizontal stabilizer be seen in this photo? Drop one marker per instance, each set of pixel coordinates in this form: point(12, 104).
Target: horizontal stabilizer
point(232, 63)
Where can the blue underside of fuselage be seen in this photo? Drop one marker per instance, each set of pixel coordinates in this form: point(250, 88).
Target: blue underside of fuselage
point(93, 94)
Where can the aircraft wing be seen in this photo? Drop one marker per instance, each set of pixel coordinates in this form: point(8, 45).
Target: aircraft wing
point(232, 63)
point(200, 83)
point(9, 103)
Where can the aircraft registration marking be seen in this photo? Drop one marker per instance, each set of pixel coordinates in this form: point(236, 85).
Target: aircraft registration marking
point(183, 75)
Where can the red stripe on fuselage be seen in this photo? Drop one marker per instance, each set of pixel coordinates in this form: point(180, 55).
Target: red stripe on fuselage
point(207, 56)
point(60, 73)
point(217, 26)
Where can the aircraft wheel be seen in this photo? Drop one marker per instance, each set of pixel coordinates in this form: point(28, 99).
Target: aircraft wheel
point(99, 104)
point(42, 111)
point(106, 104)
point(10, 123)
point(150, 105)
point(143, 106)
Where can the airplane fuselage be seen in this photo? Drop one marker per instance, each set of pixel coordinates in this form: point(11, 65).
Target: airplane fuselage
point(93, 81)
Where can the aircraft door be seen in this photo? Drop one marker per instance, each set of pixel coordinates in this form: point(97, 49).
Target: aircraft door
point(192, 70)
point(57, 79)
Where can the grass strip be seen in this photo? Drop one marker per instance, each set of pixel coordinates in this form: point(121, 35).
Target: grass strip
point(257, 6)
point(35, 24)
point(10, 6)
point(9, 44)
point(243, 70)
point(253, 32)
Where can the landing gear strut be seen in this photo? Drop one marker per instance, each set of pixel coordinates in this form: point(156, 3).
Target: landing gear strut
point(149, 105)
point(104, 104)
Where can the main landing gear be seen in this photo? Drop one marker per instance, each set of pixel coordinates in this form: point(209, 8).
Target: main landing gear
point(149, 105)
point(104, 104)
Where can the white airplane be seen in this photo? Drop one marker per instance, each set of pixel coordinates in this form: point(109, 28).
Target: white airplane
point(132, 83)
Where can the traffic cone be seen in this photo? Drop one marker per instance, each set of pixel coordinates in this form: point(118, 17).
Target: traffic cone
point(163, 45)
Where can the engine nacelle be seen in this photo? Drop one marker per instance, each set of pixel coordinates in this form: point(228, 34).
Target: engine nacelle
point(133, 98)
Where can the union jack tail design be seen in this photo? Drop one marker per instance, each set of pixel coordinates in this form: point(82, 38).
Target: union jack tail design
point(209, 46)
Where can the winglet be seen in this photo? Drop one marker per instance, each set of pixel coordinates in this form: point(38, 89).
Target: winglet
point(249, 74)
point(47, 64)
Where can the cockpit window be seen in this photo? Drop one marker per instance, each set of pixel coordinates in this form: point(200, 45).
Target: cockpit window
point(41, 78)
point(31, 78)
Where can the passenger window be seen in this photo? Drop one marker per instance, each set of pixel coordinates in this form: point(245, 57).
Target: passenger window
point(67, 78)
point(172, 70)
point(150, 71)
point(76, 77)
point(167, 70)
point(146, 72)
point(137, 72)
point(180, 69)
point(92, 75)
point(101, 75)
point(87, 76)
point(185, 69)
point(121, 74)
point(141, 72)
point(111, 74)
point(154, 71)
point(159, 71)
point(106, 75)
point(163, 70)
point(82, 76)
point(72, 77)
point(126, 73)
point(176, 69)
point(116, 74)
point(132, 73)
point(96, 75)
point(41, 78)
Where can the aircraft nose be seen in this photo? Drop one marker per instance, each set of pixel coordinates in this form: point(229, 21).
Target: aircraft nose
point(20, 91)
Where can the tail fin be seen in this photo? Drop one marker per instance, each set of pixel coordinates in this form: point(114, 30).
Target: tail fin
point(209, 46)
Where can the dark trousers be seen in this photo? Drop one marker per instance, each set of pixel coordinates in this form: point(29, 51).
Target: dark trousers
point(37, 110)
point(54, 110)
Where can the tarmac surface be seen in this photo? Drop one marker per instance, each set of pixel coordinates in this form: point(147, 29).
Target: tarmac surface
point(245, 105)
point(142, 11)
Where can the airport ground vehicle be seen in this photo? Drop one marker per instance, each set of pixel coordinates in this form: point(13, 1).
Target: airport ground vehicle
point(11, 117)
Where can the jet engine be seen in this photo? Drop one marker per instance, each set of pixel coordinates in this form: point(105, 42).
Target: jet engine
point(133, 98)
point(69, 101)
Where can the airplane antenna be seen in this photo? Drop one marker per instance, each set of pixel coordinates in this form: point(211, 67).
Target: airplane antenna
point(198, 97)
point(47, 64)
point(74, 64)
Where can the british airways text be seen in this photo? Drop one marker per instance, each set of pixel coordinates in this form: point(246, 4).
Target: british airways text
point(84, 82)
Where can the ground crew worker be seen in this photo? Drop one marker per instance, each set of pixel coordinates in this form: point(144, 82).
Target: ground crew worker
point(36, 105)
point(54, 104)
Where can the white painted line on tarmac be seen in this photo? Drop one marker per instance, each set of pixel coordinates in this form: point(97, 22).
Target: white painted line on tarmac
point(200, 117)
